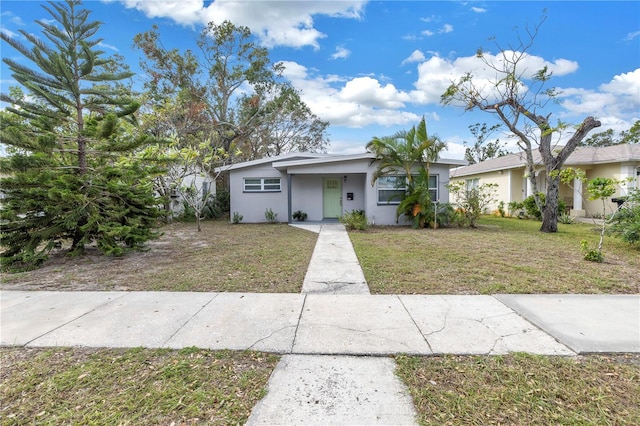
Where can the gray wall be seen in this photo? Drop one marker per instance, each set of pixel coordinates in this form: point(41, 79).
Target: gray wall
point(252, 205)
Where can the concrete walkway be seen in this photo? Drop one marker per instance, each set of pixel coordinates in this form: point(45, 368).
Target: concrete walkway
point(335, 336)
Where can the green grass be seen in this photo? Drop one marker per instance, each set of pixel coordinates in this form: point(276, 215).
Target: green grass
point(502, 256)
point(523, 389)
point(135, 386)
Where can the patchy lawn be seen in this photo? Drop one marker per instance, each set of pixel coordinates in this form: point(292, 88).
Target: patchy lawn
point(134, 386)
point(524, 389)
point(502, 256)
point(260, 258)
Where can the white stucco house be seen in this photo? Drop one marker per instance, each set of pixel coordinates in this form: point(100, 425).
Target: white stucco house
point(322, 185)
point(509, 173)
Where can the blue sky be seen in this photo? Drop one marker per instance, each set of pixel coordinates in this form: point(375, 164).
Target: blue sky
point(371, 68)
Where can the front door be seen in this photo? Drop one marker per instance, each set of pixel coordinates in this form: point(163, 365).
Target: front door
point(331, 197)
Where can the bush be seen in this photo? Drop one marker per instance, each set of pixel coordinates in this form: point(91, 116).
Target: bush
point(591, 254)
point(271, 216)
point(299, 215)
point(354, 220)
point(223, 202)
point(501, 210)
point(472, 201)
point(565, 218)
point(237, 217)
point(516, 208)
point(626, 221)
point(530, 206)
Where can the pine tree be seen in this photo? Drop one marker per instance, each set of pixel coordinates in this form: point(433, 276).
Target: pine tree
point(69, 130)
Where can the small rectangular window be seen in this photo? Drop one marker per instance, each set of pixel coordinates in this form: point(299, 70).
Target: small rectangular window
point(261, 184)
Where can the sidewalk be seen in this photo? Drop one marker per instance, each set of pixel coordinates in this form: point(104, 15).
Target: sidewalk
point(335, 336)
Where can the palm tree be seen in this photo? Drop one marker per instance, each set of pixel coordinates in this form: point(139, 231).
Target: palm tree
point(402, 154)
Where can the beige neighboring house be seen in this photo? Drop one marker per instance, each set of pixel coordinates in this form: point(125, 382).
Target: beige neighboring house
point(508, 172)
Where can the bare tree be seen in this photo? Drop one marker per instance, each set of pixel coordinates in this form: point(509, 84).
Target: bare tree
point(517, 96)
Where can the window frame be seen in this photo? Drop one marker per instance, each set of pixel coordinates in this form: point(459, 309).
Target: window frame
point(434, 190)
point(261, 184)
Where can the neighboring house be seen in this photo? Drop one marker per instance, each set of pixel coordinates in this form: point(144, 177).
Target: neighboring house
point(323, 186)
point(508, 172)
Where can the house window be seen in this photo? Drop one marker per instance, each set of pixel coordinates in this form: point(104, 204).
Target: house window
point(391, 189)
point(472, 184)
point(261, 184)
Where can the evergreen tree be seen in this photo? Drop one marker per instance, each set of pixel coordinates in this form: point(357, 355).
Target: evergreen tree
point(69, 179)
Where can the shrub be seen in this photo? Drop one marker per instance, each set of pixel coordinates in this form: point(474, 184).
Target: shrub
point(271, 216)
point(472, 201)
point(591, 254)
point(223, 202)
point(516, 208)
point(626, 221)
point(299, 215)
point(530, 206)
point(501, 209)
point(354, 220)
point(237, 217)
point(565, 218)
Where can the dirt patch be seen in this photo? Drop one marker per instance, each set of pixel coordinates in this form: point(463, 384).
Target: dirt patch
point(223, 257)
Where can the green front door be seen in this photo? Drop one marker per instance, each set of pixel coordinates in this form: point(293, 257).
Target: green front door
point(331, 197)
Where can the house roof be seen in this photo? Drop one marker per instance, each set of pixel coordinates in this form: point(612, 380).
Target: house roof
point(293, 159)
point(289, 156)
point(582, 156)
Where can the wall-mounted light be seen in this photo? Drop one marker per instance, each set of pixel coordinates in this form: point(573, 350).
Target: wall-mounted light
point(345, 178)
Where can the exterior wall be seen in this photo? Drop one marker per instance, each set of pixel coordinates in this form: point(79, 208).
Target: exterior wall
point(306, 195)
point(385, 214)
point(504, 190)
point(615, 171)
point(252, 205)
point(357, 185)
point(518, 185)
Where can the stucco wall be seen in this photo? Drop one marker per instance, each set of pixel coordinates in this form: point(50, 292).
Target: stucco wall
point(252, 205)
point(616, 171)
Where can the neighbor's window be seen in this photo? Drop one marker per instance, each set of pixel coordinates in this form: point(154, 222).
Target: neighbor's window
point(472, 183)
point(261, 184)
point(391, 189)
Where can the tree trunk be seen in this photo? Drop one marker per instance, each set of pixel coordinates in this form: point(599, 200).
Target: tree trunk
point(550, 210)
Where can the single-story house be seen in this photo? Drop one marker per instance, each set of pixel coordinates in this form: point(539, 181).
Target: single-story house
point(323, 186)
point(509, 173)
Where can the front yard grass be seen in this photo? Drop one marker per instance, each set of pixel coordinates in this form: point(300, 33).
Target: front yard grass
point(504, 255)
point(259, 258)
point(134, 386)
point(524, 389)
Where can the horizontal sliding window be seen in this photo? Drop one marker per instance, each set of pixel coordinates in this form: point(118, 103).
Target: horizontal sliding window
point(261, 184)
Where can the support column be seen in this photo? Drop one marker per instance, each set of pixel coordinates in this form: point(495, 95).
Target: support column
point(577, 210)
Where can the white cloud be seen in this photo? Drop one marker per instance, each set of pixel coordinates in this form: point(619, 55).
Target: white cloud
point(632, 35)
point(436, 73)
point(446, 28)
point(618, 98)
point(367, 91)
point(416, 56)
point(355, 103)
point(283, 23)
point(478, 9)
point(341, 53)
point(108, 46)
